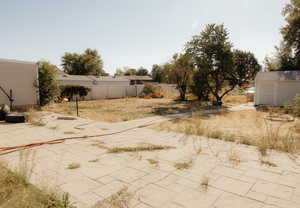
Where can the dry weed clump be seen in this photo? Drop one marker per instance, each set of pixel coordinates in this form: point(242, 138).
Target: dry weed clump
point(153, 162)
point(183, 165)
point(34, 117)
point(244, 127)
point(121, 199)
point(277, 137)
point(234, 157)
point(143, 147)
point(73, 166)
point(267, 163)
point(17, 192)
point(94, 160)
point(204, 183)
point(235, 99)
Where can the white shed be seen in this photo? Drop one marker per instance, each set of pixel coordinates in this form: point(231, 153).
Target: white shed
point(19, 78)
point(276, 87)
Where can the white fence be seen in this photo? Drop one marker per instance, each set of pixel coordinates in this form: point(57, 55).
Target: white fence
point(108, 92)
point(98, 92)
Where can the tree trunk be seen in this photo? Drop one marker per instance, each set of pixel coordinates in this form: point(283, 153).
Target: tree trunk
point(182, 91)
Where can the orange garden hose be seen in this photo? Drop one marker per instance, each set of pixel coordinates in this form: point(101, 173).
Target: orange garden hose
point(11, 149)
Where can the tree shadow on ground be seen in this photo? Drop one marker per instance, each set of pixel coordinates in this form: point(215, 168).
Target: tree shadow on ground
point(178, 106)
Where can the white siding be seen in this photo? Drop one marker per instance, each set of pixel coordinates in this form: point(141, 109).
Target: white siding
point(274, 89)
point(287, 91)
point(21, 78)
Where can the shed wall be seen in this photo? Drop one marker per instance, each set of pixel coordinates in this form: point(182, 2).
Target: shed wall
point(21, 78)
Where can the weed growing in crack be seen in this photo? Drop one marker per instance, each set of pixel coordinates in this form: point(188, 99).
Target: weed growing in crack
point(73, 166)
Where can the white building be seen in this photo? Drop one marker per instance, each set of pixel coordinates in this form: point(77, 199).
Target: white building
point(20, 79)
point(83, 80)
point(276, 87)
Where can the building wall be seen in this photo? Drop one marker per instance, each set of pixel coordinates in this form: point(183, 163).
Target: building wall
point(92, 83)
point(275, 92)
point(108, 92)
point(21, 78)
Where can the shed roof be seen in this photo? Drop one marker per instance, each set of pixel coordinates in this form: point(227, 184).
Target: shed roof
point(278, 75)
point(135, 77)
point(16, 61)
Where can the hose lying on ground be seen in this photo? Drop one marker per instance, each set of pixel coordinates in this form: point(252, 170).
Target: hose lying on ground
point(7, 150)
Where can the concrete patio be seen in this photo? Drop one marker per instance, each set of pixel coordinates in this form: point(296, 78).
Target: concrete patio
point(231, 183)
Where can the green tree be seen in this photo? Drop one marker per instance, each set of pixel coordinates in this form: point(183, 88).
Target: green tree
point(70, 91)
point(181, 71)
point(211, 52)
point(129, 71)
point(287, 55)
point(142, 72)
point(245, 68)
point(199, 86)
point(219, 69)
point(88, 63)
point(157, 73)
point(48, 86)
point(291, 34)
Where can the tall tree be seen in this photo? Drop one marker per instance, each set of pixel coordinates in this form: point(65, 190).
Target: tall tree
point(181, 71)
point(287, 55)
point(157, 73)
point(211, 52)
point(48, 86)
point(291, 33)
point(218, 68)
point(88, 63)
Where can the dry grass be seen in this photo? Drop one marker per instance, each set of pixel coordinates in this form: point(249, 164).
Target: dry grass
point(153, 162)
point(69, 132)
point(230, 100)
point(267, 163)
point(121, 199)
point(118, 110)
point(244, 127)
point(142, 147)
point(17, 192)
point(234, 158)
point(183, 165)
point(204, 182)
point(34, 117)
point(93, 161)
point(73, 166)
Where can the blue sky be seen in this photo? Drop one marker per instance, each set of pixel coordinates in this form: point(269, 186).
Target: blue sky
point(131, 33)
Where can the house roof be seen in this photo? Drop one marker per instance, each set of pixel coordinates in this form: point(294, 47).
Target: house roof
point(16, 61)
point(135, 77)
point(107, 78)
point(68, 77)
point(88, 78)
point(278, 75)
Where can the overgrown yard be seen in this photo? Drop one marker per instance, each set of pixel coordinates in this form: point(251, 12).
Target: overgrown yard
point(16, 192)
point(117, 110)
point(246, 127)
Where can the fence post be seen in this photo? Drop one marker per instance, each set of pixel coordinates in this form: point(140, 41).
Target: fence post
point(77, 106)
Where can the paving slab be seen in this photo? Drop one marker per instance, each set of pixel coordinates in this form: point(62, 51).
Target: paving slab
point(100, 174)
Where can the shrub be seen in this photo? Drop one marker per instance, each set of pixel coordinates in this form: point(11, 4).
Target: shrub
point(48, 86)
point(153, 91)
point(70, 91)
point(293, 107)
